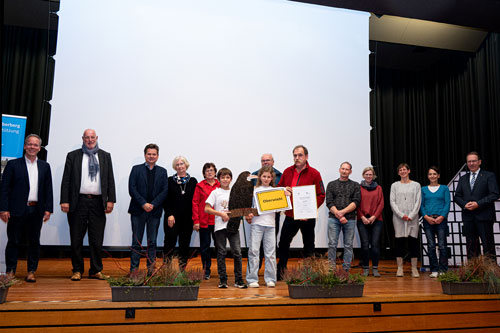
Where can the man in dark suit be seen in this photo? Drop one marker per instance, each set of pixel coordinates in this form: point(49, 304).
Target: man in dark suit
point(476, 194)
point(87, 195)
point(25, 201)
point(147, 186)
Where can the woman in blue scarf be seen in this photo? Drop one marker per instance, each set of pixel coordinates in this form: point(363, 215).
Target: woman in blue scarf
point(178, 224)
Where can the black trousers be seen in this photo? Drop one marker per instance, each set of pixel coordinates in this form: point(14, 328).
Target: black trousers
point(89, 215)
point(288, 231)
point(31, 223)
point(412, 246)
point(475, 230)
point(182, 230)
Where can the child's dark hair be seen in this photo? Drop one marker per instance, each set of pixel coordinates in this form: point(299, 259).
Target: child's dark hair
point(266, 169)
point(224, 172)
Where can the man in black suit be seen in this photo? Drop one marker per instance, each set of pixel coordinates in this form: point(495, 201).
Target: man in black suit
point(147, 186)
point(87, 195)
point(26, 202)
point(476, 194)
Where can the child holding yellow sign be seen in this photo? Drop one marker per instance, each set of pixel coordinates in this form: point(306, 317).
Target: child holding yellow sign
point(262, 229)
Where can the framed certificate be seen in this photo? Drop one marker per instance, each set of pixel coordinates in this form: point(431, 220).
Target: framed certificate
point(272, 200)
point(304, 202)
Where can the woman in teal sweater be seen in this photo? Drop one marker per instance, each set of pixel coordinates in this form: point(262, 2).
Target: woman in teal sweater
point(435, 207)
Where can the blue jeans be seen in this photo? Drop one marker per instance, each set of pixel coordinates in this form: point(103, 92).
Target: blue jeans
point(205, 240)
point(370, 242)
point(267, 236)
point(441, 231)
point(139, 222)
point(334, 228)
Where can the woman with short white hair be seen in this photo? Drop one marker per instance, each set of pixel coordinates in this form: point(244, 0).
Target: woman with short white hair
point(178, 224)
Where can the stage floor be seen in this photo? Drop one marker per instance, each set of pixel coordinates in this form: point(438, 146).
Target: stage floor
point(389, 304)
point(53, 285)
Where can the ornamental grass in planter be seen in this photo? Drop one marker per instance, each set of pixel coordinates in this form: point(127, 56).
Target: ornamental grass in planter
point(314, 278)
point(6, 281)
point(480, 275)
point(166, 283)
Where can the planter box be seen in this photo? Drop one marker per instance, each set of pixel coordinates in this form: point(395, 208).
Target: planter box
point(342, 290)
point(3, 294)
point(466, 288)
point(160, 293)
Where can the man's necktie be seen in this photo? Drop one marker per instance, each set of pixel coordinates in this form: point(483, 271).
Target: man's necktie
point(472, 181)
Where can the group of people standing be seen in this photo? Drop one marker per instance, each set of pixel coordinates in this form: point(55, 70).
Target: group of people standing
point(476, 194)
point(88, 194)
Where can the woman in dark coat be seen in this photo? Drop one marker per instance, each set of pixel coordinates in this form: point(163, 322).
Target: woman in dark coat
point(178, 224)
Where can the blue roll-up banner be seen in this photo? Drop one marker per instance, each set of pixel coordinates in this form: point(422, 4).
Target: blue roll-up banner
point(13, 130)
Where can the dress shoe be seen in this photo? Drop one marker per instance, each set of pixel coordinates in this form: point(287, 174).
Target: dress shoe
point(30, 277)
point(77, 276)
point(98, 276)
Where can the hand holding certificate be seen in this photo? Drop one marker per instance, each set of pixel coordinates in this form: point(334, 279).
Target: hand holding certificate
point(272, 200)
point(304, 202)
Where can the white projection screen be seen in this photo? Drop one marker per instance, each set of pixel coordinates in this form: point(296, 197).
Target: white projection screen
point(213, 80)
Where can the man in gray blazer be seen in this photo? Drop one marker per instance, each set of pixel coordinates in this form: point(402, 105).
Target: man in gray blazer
point(87, 195)
point(476, 194)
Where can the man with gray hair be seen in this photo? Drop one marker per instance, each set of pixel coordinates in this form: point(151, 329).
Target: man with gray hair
point(26, 201)
point(343, 196)
point(267, 160)
point(87, 195)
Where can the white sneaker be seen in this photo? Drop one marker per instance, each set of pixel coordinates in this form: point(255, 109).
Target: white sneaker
point(254, 285)
point(271, 284)
point(434, 275)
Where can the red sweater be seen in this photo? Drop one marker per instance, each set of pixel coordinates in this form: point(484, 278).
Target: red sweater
point(201, 193)
point(308, 176)
point(372, 203)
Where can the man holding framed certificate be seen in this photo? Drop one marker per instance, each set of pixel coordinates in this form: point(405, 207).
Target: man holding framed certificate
point(299, 174)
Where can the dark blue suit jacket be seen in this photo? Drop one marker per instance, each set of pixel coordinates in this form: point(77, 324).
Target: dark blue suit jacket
point(15, 188)
point(138, 189)
point(485, 192)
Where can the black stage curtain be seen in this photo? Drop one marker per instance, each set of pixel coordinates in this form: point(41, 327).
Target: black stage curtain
point(27, 77)
point(434, 117)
